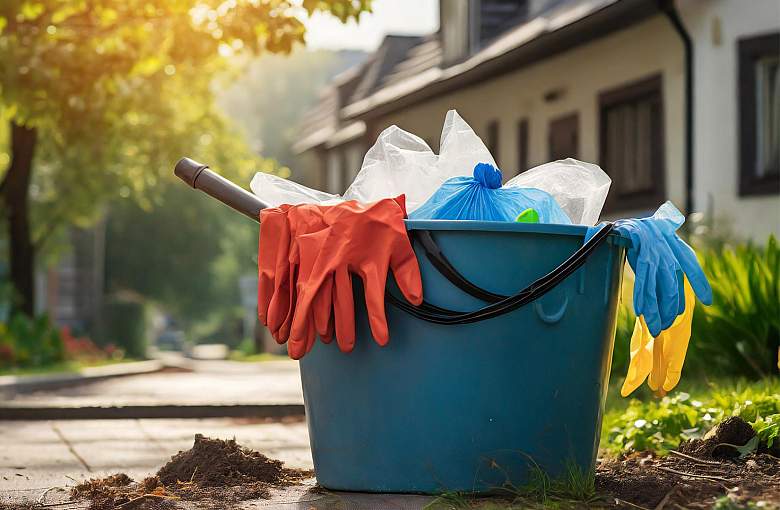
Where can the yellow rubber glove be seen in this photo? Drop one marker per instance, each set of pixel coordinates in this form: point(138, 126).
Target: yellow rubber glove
point(641, 357)
point(660, 360)
point(675, 345)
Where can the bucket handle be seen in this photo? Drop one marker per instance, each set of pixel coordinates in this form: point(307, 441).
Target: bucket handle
point(538, 288)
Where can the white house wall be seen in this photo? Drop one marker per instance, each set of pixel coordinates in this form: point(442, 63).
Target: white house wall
point(638, 52)
point(715, 27)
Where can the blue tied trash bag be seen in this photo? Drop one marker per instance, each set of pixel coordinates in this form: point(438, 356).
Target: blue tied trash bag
point(482, 198)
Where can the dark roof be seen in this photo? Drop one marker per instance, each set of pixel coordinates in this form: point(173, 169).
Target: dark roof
point(424, 56)
point(553, 26)
point(362, 80)
point(393, 51)
point(408, 69)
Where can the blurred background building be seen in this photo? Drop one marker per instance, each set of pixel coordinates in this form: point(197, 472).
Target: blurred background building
point(675, 100)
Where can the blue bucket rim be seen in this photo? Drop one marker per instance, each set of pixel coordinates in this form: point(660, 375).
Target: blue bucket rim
point(508, 226)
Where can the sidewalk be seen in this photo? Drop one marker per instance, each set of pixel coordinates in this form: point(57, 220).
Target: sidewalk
point(206, 388)
point(13, 384)
point(39, 460)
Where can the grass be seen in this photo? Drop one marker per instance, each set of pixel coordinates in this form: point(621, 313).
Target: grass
point(576, 489)
point(64, 367)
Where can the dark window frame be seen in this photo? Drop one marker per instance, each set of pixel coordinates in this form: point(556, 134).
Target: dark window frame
point(493, 131)
point(522, 145)
point(562, 121)
point(630, 92)
point(751, 49)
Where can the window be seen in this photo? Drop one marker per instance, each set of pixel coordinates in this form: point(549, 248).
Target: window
point(759, 112)
point(632, 148)
point(522, 146)
point(492, 139)
point(564, 137)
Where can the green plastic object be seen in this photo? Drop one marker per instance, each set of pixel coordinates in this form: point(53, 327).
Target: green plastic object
point(528, 216)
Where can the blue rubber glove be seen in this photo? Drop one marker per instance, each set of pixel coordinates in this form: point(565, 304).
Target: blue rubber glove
point(659, 258)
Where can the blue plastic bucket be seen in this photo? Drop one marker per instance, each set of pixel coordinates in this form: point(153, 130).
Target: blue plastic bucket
point(470, 407)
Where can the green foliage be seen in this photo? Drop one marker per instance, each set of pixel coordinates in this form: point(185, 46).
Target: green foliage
point(30, 342)
point(660, 425)
point(271, 94)
point(118, 90)
point(727, 503)
point(767, 429)
point(740, 333)
point(169, 254)
point(124, 325)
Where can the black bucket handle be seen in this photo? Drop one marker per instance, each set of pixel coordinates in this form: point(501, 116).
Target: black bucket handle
point(504, 304)
point(199, 176)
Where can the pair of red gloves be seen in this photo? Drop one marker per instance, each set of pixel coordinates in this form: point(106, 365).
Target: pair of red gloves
point(307, 254)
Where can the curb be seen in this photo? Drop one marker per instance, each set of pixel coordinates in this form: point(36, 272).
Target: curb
point(152, 412)
point(15, 384)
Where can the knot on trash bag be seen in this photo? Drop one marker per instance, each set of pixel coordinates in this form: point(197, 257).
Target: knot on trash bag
point(487, 175)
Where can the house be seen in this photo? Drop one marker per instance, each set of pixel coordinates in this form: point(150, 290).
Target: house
point(676, 100)
point(71, 291)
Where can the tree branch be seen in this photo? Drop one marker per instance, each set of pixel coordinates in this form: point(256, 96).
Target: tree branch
point(50, 227)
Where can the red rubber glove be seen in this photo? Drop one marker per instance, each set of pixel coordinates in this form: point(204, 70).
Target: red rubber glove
point(272, 260)
point(366, 240)
point(300, 220)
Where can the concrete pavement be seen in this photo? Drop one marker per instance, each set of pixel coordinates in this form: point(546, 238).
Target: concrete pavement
point(40, 460)
point(204, 383)
point(190, 389)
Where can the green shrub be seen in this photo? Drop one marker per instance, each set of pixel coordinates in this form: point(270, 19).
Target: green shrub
point(740, 333)
point(30, 342)
point(768, 429)
point(124, 325)
point(660, 425)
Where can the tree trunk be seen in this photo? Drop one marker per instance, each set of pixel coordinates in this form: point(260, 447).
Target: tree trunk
point(16, 197)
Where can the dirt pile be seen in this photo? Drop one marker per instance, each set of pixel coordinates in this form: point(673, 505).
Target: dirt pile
point(213, 471)
point(695, 475)
point(218, 463)
point(731, 431)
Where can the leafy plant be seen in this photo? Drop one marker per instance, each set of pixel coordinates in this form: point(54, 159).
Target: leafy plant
point(30, 342)
point(740, 333)
point(660, 425)
point(767, 429)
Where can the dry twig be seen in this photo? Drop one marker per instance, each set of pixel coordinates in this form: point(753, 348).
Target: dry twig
point(693, 475)
point(695, 459)
point(665, 499)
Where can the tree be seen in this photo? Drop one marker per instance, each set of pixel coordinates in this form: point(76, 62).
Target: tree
point(102, 96)
point(273, 92)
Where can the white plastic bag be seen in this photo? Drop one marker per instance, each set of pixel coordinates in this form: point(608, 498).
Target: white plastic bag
point(579, 188)
point(398, 163)
point(275, 191)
